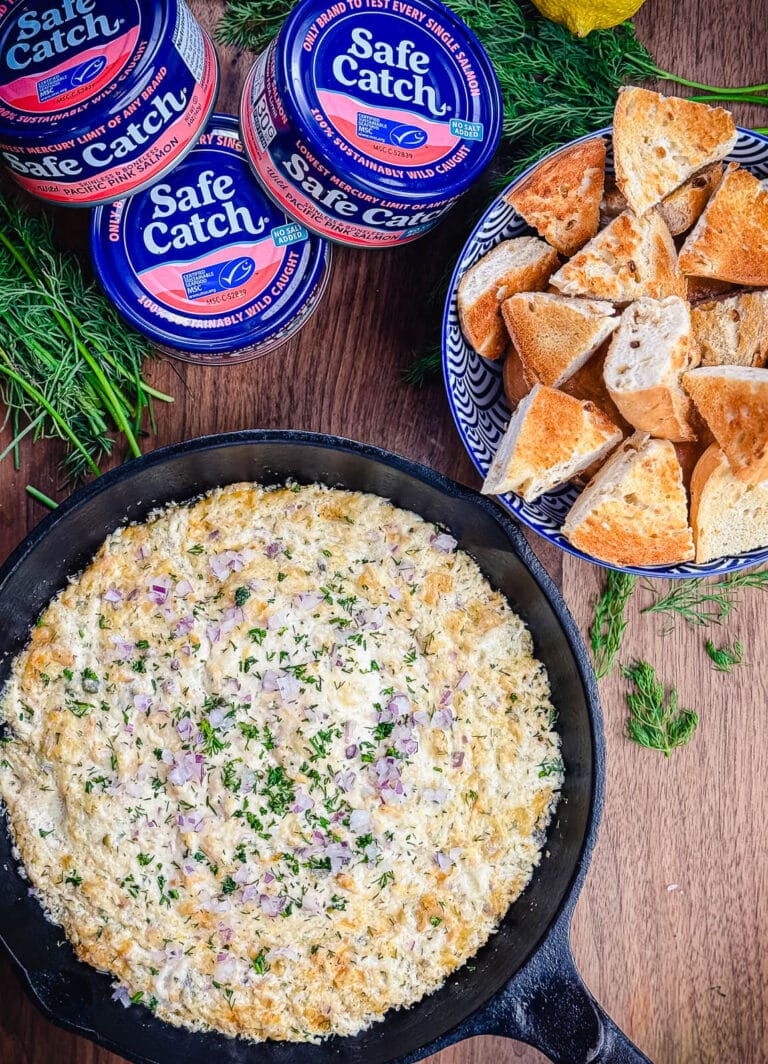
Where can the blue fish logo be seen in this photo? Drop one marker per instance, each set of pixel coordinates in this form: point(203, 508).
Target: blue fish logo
point(88, 71)
point(236, 272)
point(408, 136)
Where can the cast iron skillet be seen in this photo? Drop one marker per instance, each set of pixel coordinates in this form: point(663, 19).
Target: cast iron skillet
point(523, 984)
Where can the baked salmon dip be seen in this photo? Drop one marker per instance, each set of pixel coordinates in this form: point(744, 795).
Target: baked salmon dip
point(279, 760)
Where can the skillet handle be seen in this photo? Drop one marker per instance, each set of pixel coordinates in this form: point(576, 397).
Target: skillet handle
point(548, 1006)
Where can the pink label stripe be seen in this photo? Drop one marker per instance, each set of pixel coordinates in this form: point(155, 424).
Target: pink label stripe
point(22, 93)
point(165, 282)
point(342, 112)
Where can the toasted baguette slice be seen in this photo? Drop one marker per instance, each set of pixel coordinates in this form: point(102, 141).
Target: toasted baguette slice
point(732, 331)
point(727, 515)
point(550, 437)
point(555, 335)
point(660, 141)
point(733, 400)
point(561, 197)
point(520, 265)
point(730, 240)
point(682, 208)
point(630, 258)
point(634, 511)
point(649, 352)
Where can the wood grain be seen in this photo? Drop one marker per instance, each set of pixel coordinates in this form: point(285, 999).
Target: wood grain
point(683, 970)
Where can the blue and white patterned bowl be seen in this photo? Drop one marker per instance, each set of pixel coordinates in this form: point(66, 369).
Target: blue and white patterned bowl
point(476, 392)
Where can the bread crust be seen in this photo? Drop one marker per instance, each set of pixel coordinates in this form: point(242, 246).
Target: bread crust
point(561, 196)
point(632, 257)
point(729, 242)
point(733, 400)
point(634, 511)
point(659, 142)
point(480, 316)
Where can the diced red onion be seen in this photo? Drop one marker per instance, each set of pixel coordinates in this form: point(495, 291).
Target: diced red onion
point(159, 590)
point(250, 893)
point(310, 600)
point(457, 759)
point(273, 549)
point(122, 996)
point(395, 594)
point(421, 717)
point(339, 854)
point(183, 588)
point(345, 781)
point(166, 756)
point(446, 697)
point(216, 717)
point(271, 905)
point(350, 751)
point(185, 728)
point(360, 821)
point(143, 553)
point(268, 877)
point(242, 875)
point(225, 934)
point(225, 968)
point(277, 620)
point(289, 687)
point(442, 719)
point(400, 703)
point(443, 861)
point(443, 542)
point(142, 702)
point(213, 632)
point(463, 682)
point(227, 562)
point(269, 681)
point(113, 595)
point(233, 616)
point(184, 627)
point(303, 801)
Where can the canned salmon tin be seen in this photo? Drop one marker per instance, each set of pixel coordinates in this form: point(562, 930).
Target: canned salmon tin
point(99, 98)
point(367, 119)
point(204, 263)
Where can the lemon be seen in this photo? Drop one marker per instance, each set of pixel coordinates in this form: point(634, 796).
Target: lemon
point(583, 16)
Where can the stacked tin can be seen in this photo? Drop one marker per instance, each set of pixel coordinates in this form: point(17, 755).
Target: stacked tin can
point(362, 122)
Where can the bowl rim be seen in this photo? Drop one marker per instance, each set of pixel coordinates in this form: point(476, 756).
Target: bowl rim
point(733, 563)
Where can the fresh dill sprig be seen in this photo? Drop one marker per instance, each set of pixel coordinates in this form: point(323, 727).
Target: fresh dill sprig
point(704, 602)
point(654, 721)
point(249, 25)
point(424, 367)
point(69, 365)
point(725, 657)
point(609, 622)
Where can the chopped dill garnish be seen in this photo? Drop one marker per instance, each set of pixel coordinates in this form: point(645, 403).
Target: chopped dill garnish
point(704, 602)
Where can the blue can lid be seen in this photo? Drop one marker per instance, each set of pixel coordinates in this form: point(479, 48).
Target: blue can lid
point(73, 65)
point(203, 262)
point(398, 95)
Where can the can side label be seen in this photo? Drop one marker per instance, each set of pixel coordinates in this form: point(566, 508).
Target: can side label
point(133, 146)
point(189, 42)
point(201, 246)
point(54, 56)
point(307, 190)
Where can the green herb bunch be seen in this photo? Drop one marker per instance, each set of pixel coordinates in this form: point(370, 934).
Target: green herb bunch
point(69, 366)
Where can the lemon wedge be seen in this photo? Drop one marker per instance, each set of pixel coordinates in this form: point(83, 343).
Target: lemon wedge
point(583, 16)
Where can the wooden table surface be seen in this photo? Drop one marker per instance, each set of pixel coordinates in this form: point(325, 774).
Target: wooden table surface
point(684, 971)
